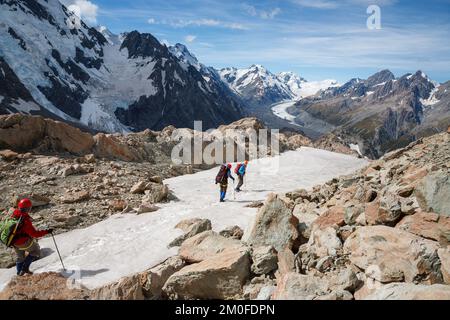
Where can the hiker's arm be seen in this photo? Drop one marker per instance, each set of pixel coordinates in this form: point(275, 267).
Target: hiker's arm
point(29, 229)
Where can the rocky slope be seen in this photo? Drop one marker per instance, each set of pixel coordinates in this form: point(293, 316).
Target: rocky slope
point(70, 71)
point(381, 113)
point(381, 233)
point(76, 179)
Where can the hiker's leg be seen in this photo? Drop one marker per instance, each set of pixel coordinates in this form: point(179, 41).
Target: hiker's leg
point(223, 189)
point(20, 257)
point(34, 252)
point(240, 183)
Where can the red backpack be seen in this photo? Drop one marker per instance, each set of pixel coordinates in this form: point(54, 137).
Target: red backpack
point(221, 174)
point(236, 170)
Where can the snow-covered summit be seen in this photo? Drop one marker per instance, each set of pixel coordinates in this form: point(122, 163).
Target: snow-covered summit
point(185, 56)
point(112, 38)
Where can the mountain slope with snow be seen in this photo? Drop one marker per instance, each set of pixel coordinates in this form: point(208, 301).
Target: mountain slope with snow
point(57, 65)
point(126, 244)
point(381, 113)
point(259, 87)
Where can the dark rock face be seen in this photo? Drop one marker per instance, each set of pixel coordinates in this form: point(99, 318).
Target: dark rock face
point(18, 38)
point(88, 62)
point(380, 77)
point(70, 67)
point(175, 103)
point(68, 100)
point(143, 45)
point(11, 89)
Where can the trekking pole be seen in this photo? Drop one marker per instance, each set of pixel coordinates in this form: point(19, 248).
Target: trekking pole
point(57, 250)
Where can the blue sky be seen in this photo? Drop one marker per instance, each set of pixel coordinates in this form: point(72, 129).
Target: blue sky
point(317, 39)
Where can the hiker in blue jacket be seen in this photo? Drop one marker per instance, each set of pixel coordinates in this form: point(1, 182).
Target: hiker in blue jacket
point(240, 171)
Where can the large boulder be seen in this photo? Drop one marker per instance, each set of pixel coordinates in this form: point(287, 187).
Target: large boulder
point(324, 242)
point(444, 256)
point(295, 286)
point(74, 197)
point(108, 146)
point(156, 193)
point(409, 291)
point(154, 279)
point(42, 286)
point(206, 244)
point(427, 225)
point(191, 227)
point(332, 217)
point(21, 132)
point(385, 210)
point(234, 232)
point(433, 192)
point(221, 276)
point(127, 288)
point(8, 155)
point(265, 260)
point(274, 225)
point(392, 255)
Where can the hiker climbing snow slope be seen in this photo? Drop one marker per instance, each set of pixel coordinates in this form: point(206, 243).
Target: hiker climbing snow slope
point(240, 171)
point(222, 180)
point(18, 232)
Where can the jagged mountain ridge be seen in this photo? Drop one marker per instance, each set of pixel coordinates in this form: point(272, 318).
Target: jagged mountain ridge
point(72, 72)
point(260, 87)
point(381, 113)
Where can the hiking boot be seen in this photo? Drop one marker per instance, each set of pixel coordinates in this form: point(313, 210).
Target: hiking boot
point(25, 272)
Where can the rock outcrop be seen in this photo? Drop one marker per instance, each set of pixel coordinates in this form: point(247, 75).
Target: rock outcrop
point(220, 276)
point(274, 225)
point(42, 286)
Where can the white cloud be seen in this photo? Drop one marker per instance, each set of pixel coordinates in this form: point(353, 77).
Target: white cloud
point(318, 4)
point(333, 4)
point(180, 23)
point(270, 14)
point(84, 8)
point(190, 38)
point(151, 21)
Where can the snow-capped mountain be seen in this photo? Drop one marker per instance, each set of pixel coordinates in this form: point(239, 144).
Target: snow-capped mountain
point(259, 87)
point(293, 81)
point(53, 64)
point(380, 113)
point(256, 85)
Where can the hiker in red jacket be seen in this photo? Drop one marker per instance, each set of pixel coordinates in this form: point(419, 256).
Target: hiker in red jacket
point(25, 238)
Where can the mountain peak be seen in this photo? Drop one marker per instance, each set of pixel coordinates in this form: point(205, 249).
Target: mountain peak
point(109, 36)
point(183, 54)
point(380, 77)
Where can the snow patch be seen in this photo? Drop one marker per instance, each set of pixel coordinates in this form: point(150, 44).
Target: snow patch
point(126, 244)
point(356, 148)
point(25, 106)
point(280, 110)
point(94, 116)
point(432, 100)
point(311, 88)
